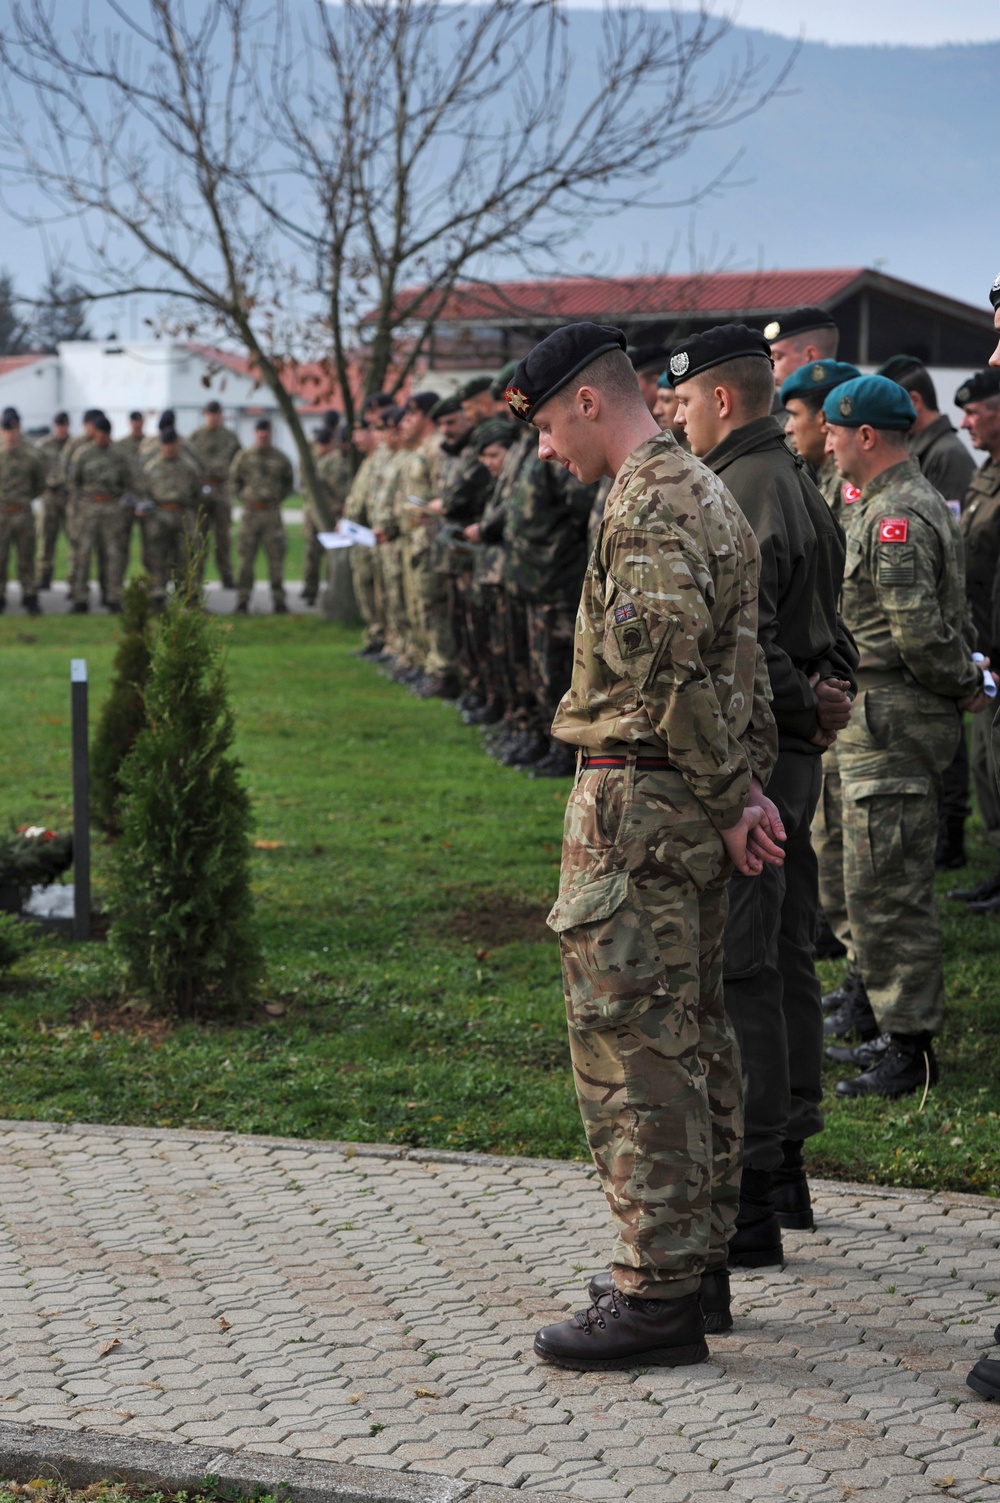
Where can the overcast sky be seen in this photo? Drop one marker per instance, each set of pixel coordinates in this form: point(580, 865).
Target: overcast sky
point(906, 22)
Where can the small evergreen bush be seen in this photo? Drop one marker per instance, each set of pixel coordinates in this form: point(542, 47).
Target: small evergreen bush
point(123, 714)
point(16, 939)
point(183, 915)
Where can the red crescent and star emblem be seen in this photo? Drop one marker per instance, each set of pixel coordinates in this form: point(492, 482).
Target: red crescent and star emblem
point(893, 530)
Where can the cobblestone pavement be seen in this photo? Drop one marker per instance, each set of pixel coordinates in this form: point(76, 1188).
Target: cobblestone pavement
point(55, 602)
point(369, 1306)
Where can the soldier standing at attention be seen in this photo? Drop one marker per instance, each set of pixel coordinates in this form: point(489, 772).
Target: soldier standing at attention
point(55, 497)
point(365, 442)
point(333, 475)
point(216, 447)
point(724, 385)
point(799, 338)
point(904, 600)
point(673, 740)
point(22, 478)
point(131, 446)
point(101, 475)
point(261, 478)
point(175, 491)
point(979, 398)
point(802, 396)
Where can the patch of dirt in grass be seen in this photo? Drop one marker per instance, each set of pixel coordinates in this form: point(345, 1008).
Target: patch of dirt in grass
point(106, 1016)
point(491, 919)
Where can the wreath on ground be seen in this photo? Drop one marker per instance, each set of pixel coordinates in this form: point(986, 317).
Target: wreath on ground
point(34, 856)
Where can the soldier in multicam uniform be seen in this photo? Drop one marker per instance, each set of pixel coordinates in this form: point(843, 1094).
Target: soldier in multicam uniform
point(55, 497)
point(424, 588)
point(100, 475)
point(22, 478)
point(216, 447)
point(74, 447)
point(904, 600)
point(261, 478)
point(334, 475)
point(668, 708)
point(389, 555)
point(176, 528)
point(503, 450)
point(368, 443)
point(979, 398)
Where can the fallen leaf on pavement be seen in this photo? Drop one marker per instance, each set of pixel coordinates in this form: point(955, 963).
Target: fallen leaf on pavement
point(224, 1324)
point(427, 1393)
point(355, 1398)
point(109, 1346)
point(942, 1482)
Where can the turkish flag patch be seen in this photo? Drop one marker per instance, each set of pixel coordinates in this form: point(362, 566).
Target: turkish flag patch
point(893, 530)
point(850, 493)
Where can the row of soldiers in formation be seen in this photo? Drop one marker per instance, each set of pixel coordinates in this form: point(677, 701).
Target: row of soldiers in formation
point(177, 492)
point(737, 624)
point(473, 588)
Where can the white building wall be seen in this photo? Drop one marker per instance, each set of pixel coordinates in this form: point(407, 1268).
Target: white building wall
point(33, 390)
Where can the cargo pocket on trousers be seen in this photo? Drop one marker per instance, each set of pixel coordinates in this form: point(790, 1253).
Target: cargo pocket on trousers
point(891, 834)
point(611, 962)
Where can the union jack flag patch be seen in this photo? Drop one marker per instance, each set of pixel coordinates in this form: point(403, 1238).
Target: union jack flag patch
point(625, 613)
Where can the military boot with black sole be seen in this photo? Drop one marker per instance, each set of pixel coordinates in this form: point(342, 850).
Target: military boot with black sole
point(619, 1331)
point(756, 1242)
point(713, 1296)
point(985, 1378)
point(854, 1018)
point(906, 1065)
point(790, 1191)
point(988, 888)
point(949, 855)
point(862, 1055)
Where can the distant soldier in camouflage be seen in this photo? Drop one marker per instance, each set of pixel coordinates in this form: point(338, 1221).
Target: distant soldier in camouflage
point(666, 708)
point(502, 450)
point(455, 555)
point(22, 478)
point(55, 497)
point(216, 447)
point(389, 558)
point(101, 475)
point(334, 475)
point(131, 447)
point(75, 447)
point(368, 444)
point(904, 600)
point(176, 527)
point(426, 591)
point(979, 398)
point(261, 478)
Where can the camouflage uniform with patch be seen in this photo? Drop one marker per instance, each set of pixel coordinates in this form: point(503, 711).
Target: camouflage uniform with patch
point(416, 483)
point(666, 665)
point(22, 478)
point(904, 601)
point(504, 671)
point(100, 478)
point(260, 481)
point(389, 556)
point(74, 447)
point(55, 505)
point(357, 508)
point(216, 448)
point(334, 475)
point(176, 525)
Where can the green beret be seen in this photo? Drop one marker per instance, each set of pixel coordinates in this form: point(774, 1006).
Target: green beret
point(817, 378)
point(995, 293)
point(979, 388)
point(502, 380)
point(474, 388)
point(799, 321)
point(701, 352)
point(499, 430)
point(446, 406)
point(898, 366)
point(551, 365)
point(873, 400)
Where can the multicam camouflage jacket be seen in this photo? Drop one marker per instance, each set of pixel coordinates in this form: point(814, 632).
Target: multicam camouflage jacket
point(22, 476)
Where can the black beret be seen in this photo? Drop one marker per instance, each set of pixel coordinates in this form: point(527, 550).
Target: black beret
point(331, 417)
point(262, 425)
point(799, 321)
point(11, 416)
point(92, 414)
point(101, 423)
point(995, 293)
point(62, 418)
point(551, 365)
point(502, 380)
point(445, 407)
point(325, 435)
point(979, 388)
point(900, 365)
point(701, 352)
point(377, 399)
point(474, 388)
point(212, 406)
point(498, 430)
point(168, 419)
point(423, 401)
point(168, 435)
point(392, 415)
point(135, 417)
point(646, 357)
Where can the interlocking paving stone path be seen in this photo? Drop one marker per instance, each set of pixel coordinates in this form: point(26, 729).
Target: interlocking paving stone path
point(376, 1306)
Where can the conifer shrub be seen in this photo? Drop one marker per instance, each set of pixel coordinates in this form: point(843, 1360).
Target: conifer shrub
point(123, 714)
point(16, 939)
point(183, 921)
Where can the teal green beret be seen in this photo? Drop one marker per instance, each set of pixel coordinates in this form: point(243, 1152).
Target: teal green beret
point(874, 400)
point(817, 378)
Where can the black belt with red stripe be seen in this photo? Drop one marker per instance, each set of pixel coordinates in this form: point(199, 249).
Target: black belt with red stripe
point(602, 759)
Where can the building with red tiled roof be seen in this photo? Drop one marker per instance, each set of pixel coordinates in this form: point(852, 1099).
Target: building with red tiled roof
point(486, 324)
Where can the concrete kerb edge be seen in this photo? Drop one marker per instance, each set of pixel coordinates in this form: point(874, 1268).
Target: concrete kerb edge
point(845, 1188)
point(79, 1459)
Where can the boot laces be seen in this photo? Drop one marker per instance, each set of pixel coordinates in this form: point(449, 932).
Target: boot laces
point(595, 1314)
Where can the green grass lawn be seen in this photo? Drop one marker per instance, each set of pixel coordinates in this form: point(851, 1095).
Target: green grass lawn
point(413, 991)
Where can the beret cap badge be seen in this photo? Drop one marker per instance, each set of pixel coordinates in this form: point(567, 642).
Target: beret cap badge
point(772, 330)
point(819, 373)
point(679, 363)
point(995, 293)
point(846, 407)
point(516, 399)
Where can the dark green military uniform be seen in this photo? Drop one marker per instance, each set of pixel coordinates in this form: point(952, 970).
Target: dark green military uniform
point(465, 496)
point(100, 478)
point(980, 525)
point(216, 448)
point(55, 505)
point(944, 459)
point(22, 478)
point(260, 480)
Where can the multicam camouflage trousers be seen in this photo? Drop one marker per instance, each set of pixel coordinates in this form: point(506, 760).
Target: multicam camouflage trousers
point(261, 527)
point(215, 514)
point(640, 917)
point(17, 534)
point(97, 525)
point(892, 757)
point(55, 504)
point(551, 631)
point(363, 580)
point(171, 537)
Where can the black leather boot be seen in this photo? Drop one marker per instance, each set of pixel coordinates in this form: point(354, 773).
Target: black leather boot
point(985, 1378)
point(950, 853)
point(756, 1242)
point(988, 888)
point(907, 1065)
point(713, 1296)
point(620, 1331)
point(862, 1055)
point(790, 1191)
point(826, 943)
point(854, 1018)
